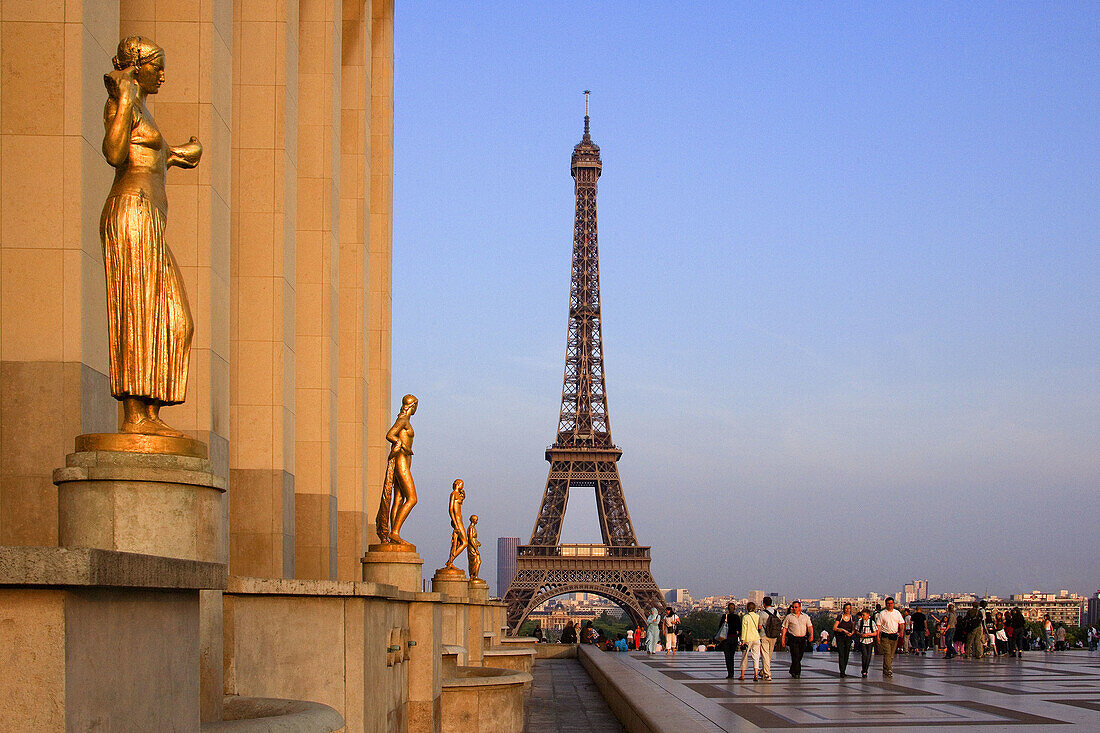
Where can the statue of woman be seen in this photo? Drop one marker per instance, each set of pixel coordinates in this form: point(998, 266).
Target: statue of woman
point(459, 541)
point(149, 322)
point(398, 485)
point(473, 549)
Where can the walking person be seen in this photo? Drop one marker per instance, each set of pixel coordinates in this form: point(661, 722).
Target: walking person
point(799, 629)
point(1060, 638)
point(750, 641)
point(891, 626)
point(1018, 624)
point(652, 630)
point(671, 623)
point(844, 628)
point(1048, 633)
point(638, 638)
point(732, 621)
point(770, 627)
point(867, 631)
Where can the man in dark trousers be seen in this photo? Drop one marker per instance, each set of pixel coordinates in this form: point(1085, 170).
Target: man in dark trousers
point(732, 620)
point(797, 634)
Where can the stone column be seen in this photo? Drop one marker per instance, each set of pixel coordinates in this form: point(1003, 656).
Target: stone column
point(264, 236)
point(316, 304)
point(379, 251)
point(54, 380)
point(351, 493)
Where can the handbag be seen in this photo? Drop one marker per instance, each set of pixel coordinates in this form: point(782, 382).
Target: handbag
point(723, 630)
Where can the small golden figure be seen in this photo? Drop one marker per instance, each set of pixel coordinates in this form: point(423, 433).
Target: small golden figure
point(149, 324)
point(458, 532)
point(396, 505)
point(473, 549)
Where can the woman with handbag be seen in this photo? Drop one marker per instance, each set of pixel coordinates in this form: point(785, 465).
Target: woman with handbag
point(844, 628)
point(750, 641)
point(729, 633)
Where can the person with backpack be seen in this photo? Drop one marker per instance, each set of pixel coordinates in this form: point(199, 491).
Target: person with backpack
point(867, 633)
point(770, 627)
point(844, 629)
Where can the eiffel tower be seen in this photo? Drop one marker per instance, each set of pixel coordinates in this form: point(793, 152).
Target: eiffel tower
point(583, 455)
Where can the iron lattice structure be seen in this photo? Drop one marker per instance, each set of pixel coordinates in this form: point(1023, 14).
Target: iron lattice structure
point(583, 454)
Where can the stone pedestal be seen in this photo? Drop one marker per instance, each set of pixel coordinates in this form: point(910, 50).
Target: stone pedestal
point(150, 503)
point(451, 581)
point(397, 567)
point(478, 590)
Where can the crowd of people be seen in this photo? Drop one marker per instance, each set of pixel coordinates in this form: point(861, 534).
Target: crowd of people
point(885, 631)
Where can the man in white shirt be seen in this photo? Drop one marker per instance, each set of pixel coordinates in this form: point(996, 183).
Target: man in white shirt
point(798, 630)
point(891, 625)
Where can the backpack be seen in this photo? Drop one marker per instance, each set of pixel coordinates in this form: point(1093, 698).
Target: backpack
point(773, 626)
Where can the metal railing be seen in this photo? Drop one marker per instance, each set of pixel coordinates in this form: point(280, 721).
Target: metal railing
point(580, 550)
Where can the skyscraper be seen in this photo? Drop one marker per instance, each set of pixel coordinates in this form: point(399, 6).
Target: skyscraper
point(506, 562)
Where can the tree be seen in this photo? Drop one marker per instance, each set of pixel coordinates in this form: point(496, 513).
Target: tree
point(701, 624)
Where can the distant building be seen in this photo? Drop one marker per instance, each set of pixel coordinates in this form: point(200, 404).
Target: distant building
point(913, 592)
point(677, 596)
point(506, 562)
point(757, 597)
point(1092, 610)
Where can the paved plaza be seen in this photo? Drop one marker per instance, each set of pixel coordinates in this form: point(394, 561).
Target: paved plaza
point(565, 700)
point(1040, 692)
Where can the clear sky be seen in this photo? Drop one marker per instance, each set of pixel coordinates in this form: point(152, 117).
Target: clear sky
point(850, 269)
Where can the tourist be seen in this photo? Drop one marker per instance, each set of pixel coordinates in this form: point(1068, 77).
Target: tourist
point(621, 644)
point(1000, 635)
point(920, 630)
point(750, 641)
point(732, 621)
point(1060, 638)
point(891, 626)
point(952, 622)
point(902, 638)
point(1048, 633)
point(867, 631)
point(652, 630)
point(638, 637)
point(1093, 637)
point(770, 627)
point(974, 633)
point(671, 623)
point(1018, 624)
point(801, 631)
point(538, 634)
point(569, 633)
point(844, 629)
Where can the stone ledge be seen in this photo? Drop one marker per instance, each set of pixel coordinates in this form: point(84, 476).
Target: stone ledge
point(245, 585)
point(639, 704)
point(486, 677)
point(84, 567)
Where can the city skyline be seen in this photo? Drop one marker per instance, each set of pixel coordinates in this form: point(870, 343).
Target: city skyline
point(849, 283)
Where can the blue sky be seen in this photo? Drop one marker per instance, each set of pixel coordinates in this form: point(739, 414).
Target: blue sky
point(849, 261)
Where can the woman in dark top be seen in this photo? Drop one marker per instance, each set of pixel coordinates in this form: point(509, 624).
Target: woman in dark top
point(844, 628)
point(569, 633)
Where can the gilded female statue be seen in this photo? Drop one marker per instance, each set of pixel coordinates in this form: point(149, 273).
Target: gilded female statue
point(473, 549)
point(398, 485)
point(149, 322)
point(458, 531)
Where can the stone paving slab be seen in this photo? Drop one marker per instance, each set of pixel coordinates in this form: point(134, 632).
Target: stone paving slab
point(565, 700)
point(1056, 692)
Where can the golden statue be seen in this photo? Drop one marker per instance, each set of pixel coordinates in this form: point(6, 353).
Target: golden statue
point(473, 549)
point(458, 532)
point(396, 505)
point(148, 319)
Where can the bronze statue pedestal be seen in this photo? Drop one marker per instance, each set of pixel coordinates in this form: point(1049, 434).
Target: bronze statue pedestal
point(396, 565)
point(168, 504)
point(451, 581)
point(478, 590)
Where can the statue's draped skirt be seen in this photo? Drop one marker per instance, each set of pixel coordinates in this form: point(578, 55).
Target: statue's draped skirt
point(148, 319)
